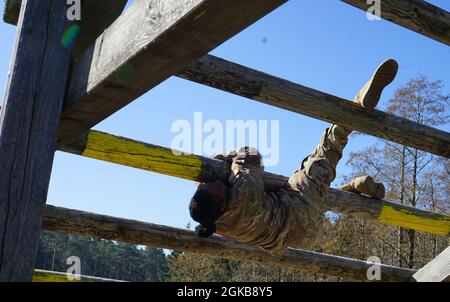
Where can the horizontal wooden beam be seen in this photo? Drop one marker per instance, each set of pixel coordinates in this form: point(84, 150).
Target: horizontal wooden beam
point(416, 15)
point(127, 152)
point(96, 16)
point(261, 87)
point(131, 153)
point(130, 231)
point(157, 39)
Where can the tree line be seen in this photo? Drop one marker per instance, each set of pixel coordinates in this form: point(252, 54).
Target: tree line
point(101, 258)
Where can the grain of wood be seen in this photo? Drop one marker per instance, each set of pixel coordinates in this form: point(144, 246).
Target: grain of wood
point(416, 15)
point(130, 231)
point(132, 153)
point(270, 90)
point(147, 44)
point(28, 130)
point(96, 16)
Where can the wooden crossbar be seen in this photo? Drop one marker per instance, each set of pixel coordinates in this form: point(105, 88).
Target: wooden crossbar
point(106, 77)
point(255, 85)
point(146, 45)
point(416, 15)
point(40, 275)
point(130, 231)
point(131, 153)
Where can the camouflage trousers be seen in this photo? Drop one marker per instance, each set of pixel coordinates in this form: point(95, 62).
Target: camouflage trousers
point(311, 182)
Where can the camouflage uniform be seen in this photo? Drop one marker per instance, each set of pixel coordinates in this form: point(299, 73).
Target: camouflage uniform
point(290, 216)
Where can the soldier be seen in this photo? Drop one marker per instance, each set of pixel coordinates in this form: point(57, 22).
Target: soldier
point(290, 216)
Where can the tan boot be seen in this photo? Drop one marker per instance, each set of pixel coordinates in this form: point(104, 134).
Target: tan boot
point(369, 96)
point(365, 185)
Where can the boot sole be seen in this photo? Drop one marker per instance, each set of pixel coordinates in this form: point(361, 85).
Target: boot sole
point(383, 76)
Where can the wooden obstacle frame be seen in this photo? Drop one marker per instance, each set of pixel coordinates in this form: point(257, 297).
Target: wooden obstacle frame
point(57, 91)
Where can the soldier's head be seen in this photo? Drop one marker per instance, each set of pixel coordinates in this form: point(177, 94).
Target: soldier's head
point(207, 205)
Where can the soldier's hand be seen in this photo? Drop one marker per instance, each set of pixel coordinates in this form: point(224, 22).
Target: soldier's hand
point(226, 157)
point(245, 160)
point(247, 156)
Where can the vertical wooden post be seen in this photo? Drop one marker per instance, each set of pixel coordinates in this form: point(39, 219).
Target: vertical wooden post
point(28, 129)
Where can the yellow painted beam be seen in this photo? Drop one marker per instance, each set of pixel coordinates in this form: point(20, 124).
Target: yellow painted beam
point(48, 276)
point(51, 276)
point(119, 150)
point(127, 152)
point(406, 217)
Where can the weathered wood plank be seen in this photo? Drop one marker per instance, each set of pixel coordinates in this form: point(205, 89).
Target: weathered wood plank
point(29, 122)
point(127, 152)
point(267, 89)
point(416, 15)
point(96, 15)
point(130, 231)
point(148, 43)
point(437, 270)
point(381, 125)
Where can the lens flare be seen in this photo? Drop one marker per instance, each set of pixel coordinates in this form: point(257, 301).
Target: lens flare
point(70, 36)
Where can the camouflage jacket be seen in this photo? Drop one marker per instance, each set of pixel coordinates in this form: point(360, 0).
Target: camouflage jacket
point(290, 216)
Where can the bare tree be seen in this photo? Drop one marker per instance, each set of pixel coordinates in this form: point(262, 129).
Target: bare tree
point(409, 174)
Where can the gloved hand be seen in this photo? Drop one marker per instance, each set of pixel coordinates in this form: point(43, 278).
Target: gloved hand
point(243, 155)
point(242, 159)
point(365, 185)
point(247, 156)
point(226, 157)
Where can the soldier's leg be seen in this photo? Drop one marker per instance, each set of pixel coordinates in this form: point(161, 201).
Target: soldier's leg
point(312, 182)
point(315, 181)
point(318, 170)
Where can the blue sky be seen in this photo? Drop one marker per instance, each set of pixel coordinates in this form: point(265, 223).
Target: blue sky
point(326, 45)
